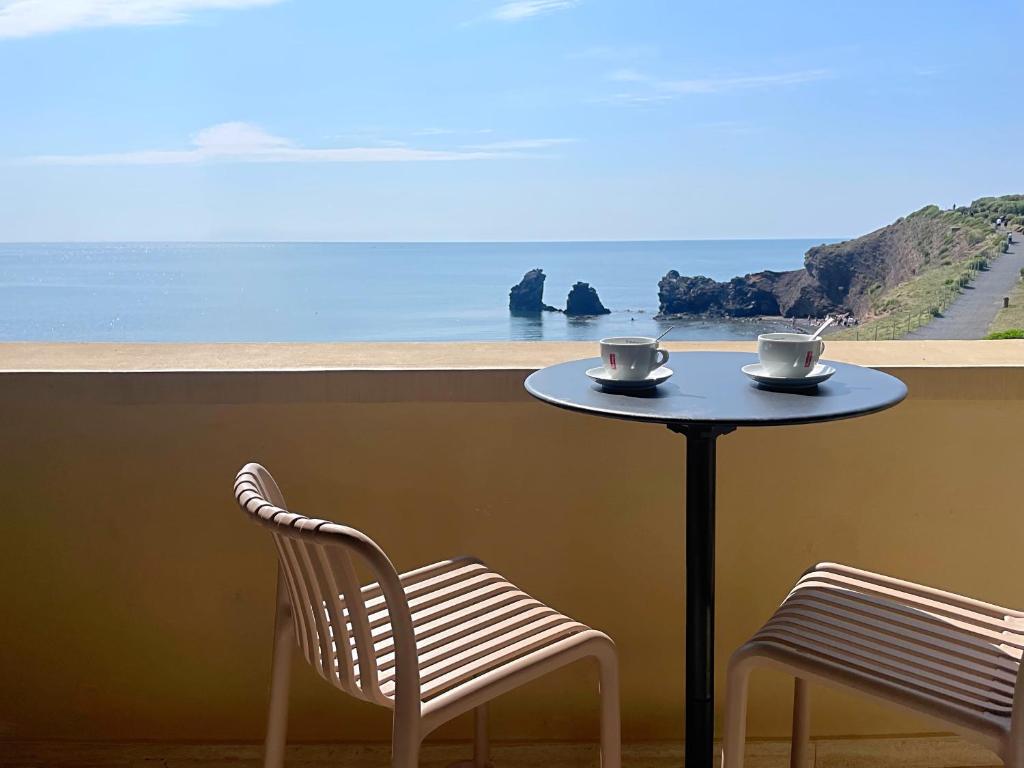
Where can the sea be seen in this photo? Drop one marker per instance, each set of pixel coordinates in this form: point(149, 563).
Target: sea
point(213, 292)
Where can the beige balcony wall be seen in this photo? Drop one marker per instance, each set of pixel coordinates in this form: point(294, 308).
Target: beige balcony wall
point(137, 600)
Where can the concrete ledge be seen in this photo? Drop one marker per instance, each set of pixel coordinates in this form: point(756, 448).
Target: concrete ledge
point(32, 357)
point(441, 374)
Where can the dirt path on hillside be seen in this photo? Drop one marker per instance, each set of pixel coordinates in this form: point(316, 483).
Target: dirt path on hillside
point(971, 314)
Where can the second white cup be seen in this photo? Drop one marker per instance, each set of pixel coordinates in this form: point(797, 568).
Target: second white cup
point(792, 355)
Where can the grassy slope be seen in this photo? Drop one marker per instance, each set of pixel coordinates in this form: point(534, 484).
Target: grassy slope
point(912, 303)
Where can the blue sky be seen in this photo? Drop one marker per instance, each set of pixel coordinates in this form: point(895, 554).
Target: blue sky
point(493, 120)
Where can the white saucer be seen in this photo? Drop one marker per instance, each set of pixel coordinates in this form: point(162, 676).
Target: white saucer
point(820, 373)
point(654, 378)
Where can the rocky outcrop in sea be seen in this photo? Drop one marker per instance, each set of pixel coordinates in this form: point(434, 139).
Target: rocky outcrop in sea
point(584, 301)
point(791, 294)
point(527, 297)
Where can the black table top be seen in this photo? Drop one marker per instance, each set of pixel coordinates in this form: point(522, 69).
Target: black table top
point(709, 388)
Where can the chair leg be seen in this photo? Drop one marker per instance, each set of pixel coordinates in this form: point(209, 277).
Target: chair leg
point(611, 737)
point(734, 736)
point(481, 745)
point(481, 742)
point(801, 724)
point(405, 746)
point(280, 675)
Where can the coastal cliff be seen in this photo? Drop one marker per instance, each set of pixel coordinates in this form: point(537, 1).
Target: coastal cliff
point(848, 277)
point(853, 273)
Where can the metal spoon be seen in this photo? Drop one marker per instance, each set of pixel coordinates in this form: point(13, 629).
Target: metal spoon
point(664, 334)
point(826, 324)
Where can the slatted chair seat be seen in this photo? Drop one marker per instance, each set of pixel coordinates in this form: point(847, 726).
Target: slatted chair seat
point(468, 621)
point(430, 644)
point(939, 654)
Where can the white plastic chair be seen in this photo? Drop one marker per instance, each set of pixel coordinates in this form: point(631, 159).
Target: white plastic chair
point(430, 644)
point(948, 657)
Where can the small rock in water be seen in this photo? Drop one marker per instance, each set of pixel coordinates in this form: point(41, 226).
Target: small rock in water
point(583, 300)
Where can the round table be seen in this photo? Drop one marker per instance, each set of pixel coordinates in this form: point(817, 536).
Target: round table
point(707, 397)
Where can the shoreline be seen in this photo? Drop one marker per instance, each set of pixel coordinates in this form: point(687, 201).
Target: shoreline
point(800, 325)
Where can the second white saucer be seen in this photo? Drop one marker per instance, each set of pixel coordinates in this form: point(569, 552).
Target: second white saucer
point(818, 374)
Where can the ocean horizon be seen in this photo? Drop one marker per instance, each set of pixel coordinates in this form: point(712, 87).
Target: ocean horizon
point(353, 291)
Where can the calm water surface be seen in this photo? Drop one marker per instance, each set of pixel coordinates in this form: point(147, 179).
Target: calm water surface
point(354, 291)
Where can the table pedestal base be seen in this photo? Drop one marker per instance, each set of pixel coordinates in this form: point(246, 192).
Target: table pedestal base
point(700, 590)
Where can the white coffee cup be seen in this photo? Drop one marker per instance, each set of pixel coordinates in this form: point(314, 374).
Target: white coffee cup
point(631, 358)
point(793, 355)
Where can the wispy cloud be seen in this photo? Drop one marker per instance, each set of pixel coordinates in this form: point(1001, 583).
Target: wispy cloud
point(518, 10)
point(245, 143)
point(25, 18)
point(385, 136)
point(719, 84)
point(514, 144)
point(651, 89)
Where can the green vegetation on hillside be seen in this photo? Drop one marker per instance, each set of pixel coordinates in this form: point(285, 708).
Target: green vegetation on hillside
point(946, 270)
point(1009, 207)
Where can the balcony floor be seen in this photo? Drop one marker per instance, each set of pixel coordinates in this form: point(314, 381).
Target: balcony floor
point(892, 752)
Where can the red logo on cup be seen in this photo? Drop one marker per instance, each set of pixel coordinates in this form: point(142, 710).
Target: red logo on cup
point(611, 360)
point(807, 360)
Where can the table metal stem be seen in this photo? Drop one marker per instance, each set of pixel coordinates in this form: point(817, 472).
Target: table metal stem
point(700, 591)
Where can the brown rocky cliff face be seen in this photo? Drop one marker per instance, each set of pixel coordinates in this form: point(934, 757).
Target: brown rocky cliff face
point(842, 277)
point(852, 272)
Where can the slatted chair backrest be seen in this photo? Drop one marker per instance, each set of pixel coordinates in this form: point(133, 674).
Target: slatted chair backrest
point(328, 604)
